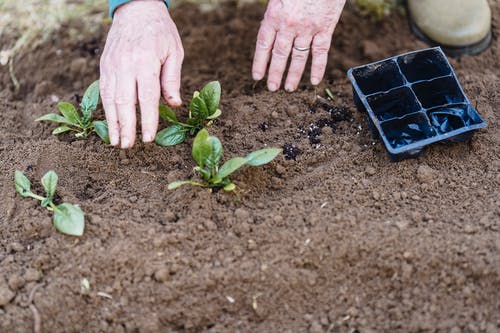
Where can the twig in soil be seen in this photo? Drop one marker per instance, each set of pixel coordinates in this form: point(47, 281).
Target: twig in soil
point(37, 319)
point(105, 295)
point(13, 77)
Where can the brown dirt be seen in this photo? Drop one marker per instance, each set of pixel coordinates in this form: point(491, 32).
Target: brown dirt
point(338, 240)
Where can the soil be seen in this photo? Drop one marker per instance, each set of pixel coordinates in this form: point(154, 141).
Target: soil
point(334, 238)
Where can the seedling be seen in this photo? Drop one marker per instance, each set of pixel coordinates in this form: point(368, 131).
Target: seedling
point(67, 218)
point(204, 107)
point(207, 152)
point(81, 123)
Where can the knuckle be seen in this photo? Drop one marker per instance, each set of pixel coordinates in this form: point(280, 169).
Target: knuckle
point(300, 56)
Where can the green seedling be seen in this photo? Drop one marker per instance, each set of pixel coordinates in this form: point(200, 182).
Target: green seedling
point(207, 152)
point(379, 8)
point(68, 218)
point(204, 107)
point(80, 122)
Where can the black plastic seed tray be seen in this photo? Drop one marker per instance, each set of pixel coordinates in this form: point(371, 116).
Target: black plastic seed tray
point(413, 100)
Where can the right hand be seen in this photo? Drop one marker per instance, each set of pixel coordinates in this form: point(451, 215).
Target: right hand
point(142, 59)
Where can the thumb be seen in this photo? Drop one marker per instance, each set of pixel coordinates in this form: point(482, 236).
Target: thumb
point(171, 78)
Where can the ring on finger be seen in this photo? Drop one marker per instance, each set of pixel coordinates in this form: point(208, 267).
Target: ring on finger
point(301, 49)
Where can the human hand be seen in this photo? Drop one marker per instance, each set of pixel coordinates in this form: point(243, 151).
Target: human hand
point(297, 26)
point(142, 58)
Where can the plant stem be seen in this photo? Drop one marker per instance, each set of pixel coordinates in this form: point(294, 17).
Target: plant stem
point(36, 196)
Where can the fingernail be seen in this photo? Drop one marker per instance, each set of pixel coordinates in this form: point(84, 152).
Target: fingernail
point(174, 99)
point(272, 86)
point(315, 81)
point(147, 137)
point(113, 140)
point(125, 143)
point(289, 88)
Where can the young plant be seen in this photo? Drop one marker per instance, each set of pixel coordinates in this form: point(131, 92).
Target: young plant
point(68, 218)
point(81, 123)
point(207, 152)
point(204, 107)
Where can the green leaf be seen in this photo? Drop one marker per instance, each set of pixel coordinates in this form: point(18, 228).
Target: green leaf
point(69, 112)
point(174, 185)
point(55, 118)
point(205, 174)
point(22, 184)
point(101, 129)
point(216, 114)
point(168, 114)
point(230, 166)
point(262, 156)
point(201, 147)
point(90, 99)
point(61, 129)
point(211, 96)
point(230, 187)
point(214, 156)
point(69, 219)
point(198, 108)
point(171, 136)
point(49, 182)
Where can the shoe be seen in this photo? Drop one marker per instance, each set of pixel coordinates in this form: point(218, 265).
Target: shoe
point(460, 27)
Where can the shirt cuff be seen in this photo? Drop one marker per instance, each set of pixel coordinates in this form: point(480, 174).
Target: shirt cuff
point(113, 4)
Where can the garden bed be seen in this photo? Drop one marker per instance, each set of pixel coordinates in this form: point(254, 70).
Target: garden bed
point(332, 238)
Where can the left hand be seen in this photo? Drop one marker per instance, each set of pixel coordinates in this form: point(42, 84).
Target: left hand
point(296, 26)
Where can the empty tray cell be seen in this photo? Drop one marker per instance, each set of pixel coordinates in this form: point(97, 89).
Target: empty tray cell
point(404, 131)
point(378, 77)
point(450, 118)
point(424, 65)
point(394, 104)
point(438, 92)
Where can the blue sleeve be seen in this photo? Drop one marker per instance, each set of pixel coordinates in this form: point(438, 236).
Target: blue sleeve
point(113, 4)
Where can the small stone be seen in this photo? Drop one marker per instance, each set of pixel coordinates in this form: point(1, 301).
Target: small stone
point(497, 179)
point(375, 195)
point(42, 89)
point(416, 216)
point(370, 171)
point(6, 295)
point(133, 199)
point(162, 274)
point(280, 169)
point(32, 275)
point(169, 216)
point(402, 224)
point(252, 245)
point(425, 174)
point(16, 282)
point(242, 215)
point(210, 225)
point(78, 66)
point(469, 229)
point(15, 247)
point(456, 330)
point(275, 115)
point(316, 327)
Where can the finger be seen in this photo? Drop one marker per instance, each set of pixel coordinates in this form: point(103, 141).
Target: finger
point(107, 84)
point(298, 63)
point(125, 100)
point(263, 47)
point(171, 77)
point(148, 90)
point(281, 51)
point(319, 49)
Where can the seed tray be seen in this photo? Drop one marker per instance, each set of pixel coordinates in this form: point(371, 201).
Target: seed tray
point(413, 100)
